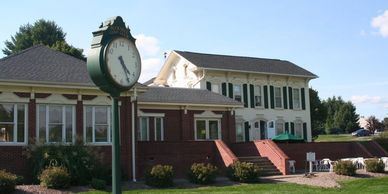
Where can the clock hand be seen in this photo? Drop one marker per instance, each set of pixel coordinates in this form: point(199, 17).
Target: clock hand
point(127, 73)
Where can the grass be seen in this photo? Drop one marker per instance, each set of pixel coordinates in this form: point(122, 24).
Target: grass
point(341, 137)
point(367, 185)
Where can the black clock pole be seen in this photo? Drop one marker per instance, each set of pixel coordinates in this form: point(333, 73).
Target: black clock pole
point(116, 171)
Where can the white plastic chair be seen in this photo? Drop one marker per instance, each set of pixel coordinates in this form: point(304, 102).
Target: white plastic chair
point(385, 160)
point(291, 165)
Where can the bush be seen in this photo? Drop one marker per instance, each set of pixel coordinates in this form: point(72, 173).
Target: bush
point(374, 165)
point(245, 172)
point(98, 184)
point(201, 173)
point(345, 168)
point(55, 177)
point(160, 176)
point(79, 160)
point(7, 182)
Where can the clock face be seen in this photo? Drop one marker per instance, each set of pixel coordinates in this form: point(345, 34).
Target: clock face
point(123, 62)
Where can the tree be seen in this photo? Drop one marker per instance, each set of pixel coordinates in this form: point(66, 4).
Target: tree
point(318, 113)
point(341, 116)
point(372, 124)
point(41, 32)
point(385, 123)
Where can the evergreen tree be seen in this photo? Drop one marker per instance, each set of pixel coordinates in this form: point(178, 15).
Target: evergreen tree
point(318, 113)
point(341, 116)
point(41, 32)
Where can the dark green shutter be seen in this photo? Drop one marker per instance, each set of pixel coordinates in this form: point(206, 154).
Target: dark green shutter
point(223, 86)
point(272, 94)
point(209, 86)
point(285, 98)
point(287, 127)
point(292, 128)
point(305, 131)
point(245, 95)
point(303, 99)
point(230, 90)
point(252, 95)
point(265, 96)
point(290, 97)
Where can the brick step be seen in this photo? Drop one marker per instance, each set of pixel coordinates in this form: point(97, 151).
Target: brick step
point(266, 166)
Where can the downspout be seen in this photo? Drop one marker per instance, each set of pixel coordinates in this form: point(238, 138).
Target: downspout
point(133, 136)
point(200, 79)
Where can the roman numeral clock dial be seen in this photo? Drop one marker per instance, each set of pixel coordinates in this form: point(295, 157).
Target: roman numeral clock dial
point(122, 61)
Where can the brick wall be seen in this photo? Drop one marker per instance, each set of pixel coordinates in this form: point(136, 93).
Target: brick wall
point(181, 155)
point(331, 150)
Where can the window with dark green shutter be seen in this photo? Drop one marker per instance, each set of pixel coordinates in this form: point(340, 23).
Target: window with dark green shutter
point(265, 96)
point(285, 97)
point(290, 97)
point(223, 88)
point(303, 99)
point(230, 89)
point(252, 95)
point(305, 131)
point(209, 86)
point(292, 128)
point(272, 96)
point(245, 95)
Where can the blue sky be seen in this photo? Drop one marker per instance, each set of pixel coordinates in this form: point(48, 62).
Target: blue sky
point(344, 42)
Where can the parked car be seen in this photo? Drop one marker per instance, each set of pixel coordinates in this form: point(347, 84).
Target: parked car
point(361, 132)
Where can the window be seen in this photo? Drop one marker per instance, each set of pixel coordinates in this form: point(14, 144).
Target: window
point(159, 130)
point(279, 127)
point(13, 123)
point(237, 92)
point(143, 133)
point(278, 97)
point(298, 126)
point(56, 123)
point(207, 129)
point(97, 124)
point(216, 88)
point(258, 96)
point(239, 132)
point(296, 98)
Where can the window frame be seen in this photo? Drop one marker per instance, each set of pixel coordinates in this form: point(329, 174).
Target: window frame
point(207, 129)
point(235, 93)
point(294, 94)
point(161, 129)
point(47, 123)
point(281, 97)
point(213, 88)
point(256, 87)
point(15, 125)
point(140, 128)
point(298, 122)
point(277, 123)
point(109, 123)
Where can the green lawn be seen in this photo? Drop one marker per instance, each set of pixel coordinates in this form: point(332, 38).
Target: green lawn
point(341, 137)
point(367, 185)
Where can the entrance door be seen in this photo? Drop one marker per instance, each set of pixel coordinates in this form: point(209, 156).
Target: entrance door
point(271, 129)
point(246, 130)
point(263, 130)
point(256, 131)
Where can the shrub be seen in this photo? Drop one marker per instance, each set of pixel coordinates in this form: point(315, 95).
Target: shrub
point(19, 180)
point(345, 168)
point(7, 182)
point(98, 184)
point(201, 173)
point(374, 165)
point(55, 177)
point(160, 176)
point(79, 160)
point(245, 172)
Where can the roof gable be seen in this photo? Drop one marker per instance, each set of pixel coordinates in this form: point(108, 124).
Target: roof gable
point(245, 64)
point(42, 64)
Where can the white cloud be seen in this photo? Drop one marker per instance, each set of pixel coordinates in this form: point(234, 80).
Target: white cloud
point(367, 99)
point(147, 45)
point(381, 23)
point(386, 105)
point(149, 68)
